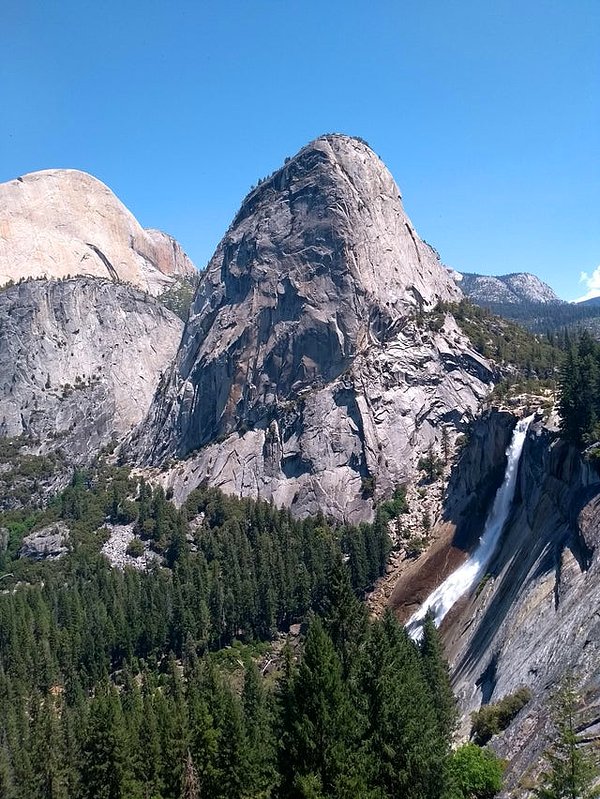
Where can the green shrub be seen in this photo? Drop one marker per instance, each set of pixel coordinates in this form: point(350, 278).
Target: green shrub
point(475, 773)
point(367, 486)
point(482, 583)
point(431, 464)
point(415, 545)
point(127, 512)
point(135, 548)
point(492, 719)
point(396, 505)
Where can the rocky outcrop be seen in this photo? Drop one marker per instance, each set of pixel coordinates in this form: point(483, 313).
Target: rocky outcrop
point(48, 543)
point(517, 288)
point(117, 547)
point(309, 365)
point(81, 361)
point(62, 222)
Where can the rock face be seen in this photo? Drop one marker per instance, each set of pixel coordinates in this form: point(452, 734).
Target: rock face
point(537, 618)
point(534, 617)
point(49, 543)
point(308, 364)
point(473, 483)
point(81, 360)
point(62, 222)
point(115, 549)
point(515, 289)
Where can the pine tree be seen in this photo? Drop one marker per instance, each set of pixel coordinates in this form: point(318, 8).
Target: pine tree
point(569, 397)
point(47, 751)
point(204, 737)
point(259, 734)
point(104, 754)
point(403, 744)
point(344, 617)
point(437, 675)
point(149, 754)
point(7, 785)
point(318, 721)
point(445, 443)
point(571, 772)
point(190, 786)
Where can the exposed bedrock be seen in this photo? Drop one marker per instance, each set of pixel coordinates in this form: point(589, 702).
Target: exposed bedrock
point(538, 616)
point(60, 223)
point(81, 360)
point(306, 365)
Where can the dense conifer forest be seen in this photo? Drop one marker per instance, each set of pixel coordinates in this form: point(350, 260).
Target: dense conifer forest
point(549, 318)
point(579, 391)
point(126, 684)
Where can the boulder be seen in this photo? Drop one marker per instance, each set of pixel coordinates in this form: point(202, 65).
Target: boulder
point(49, 543)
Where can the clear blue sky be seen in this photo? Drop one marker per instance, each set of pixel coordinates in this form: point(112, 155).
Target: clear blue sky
point(487, 113)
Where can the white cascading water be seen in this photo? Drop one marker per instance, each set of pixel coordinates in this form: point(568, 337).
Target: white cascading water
point(472, 570)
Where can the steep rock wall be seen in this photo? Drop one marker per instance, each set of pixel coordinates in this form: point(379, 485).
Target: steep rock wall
point(473, 483)
point(81, 359)
point(306, 366)
point(537, 617)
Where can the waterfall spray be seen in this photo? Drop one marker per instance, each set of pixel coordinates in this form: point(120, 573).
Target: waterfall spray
point(472, 570)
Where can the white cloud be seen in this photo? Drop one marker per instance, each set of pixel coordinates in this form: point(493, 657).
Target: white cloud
point(592, 283)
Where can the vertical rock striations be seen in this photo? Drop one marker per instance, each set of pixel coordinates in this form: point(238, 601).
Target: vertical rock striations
point(535, 618)
point(81, 360)
point(308, 365)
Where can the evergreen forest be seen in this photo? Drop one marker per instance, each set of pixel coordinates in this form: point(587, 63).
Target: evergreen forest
point(184, 680)
point(579, 391)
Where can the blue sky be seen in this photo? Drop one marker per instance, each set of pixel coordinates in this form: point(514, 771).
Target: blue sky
point(486, 113)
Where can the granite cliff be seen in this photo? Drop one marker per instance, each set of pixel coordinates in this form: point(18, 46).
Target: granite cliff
point(533, 618)
point(312, 371)
point(308, 372)
point(63, 222)
point(536, 618)
point(81, 361)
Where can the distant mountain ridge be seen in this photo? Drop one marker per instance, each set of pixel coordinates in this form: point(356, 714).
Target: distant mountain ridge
point(524, 298)
point(593, 302)
point(515, 288)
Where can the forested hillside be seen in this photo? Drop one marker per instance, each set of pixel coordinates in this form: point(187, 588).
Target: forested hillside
point(549, 318)
point(147, 684)
point(579, 399)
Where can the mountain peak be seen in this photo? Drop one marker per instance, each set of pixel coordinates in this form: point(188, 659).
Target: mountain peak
point(60, 222)
point(303, 361)
point(515, 288)
point(335, 203)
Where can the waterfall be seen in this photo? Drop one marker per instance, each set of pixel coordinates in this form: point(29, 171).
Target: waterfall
point(472, 570)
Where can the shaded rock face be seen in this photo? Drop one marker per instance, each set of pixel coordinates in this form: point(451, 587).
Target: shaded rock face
point(304, 368)
point(470, 492)
point(537, 616)
point(62, 222)
point(515, 289)
point(479, 474)
point(81, 359)
point(49, 543)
